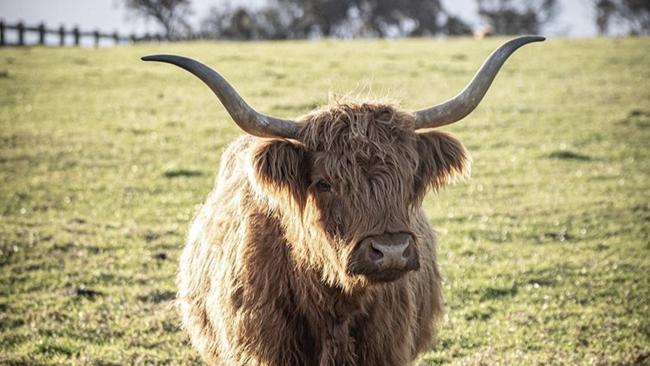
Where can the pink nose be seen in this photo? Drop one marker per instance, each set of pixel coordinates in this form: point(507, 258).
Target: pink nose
point(385, 257)
point(394, 256)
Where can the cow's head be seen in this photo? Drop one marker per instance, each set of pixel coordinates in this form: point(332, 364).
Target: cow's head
point(351, 180)
point(346, 180)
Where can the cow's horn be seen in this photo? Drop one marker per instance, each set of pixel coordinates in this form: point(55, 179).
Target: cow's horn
point(464, 103)
point(246, 117)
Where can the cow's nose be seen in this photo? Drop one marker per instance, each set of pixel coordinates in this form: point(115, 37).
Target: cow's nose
point(390, 256)
point(384, 257)
point(392, 252)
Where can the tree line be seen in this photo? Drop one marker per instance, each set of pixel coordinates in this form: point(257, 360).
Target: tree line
point(298, 19)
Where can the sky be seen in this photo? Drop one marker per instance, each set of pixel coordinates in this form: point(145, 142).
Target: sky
point(575, 18)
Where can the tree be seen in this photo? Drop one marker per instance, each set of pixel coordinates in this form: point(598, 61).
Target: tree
point(282, 19)
point(508, 17)
point(170, 14)
point(373, 17)
point(406, 17)
point(634, 15)
point(243, 23)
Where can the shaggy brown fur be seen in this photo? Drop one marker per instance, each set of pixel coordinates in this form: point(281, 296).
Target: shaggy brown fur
point(263, 276)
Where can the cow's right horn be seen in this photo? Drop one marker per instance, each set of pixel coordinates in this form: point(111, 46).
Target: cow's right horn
point(464, 103)
point(246, 117)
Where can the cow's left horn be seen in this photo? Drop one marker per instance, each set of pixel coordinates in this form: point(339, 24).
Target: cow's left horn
point(464, 103)
point(246, 117)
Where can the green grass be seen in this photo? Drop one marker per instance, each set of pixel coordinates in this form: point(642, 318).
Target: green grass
point(545, 250)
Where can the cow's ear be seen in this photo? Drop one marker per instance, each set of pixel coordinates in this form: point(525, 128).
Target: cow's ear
point(442, 159)
point(280, 167)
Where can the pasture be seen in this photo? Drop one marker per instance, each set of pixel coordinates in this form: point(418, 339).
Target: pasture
point(545, 250)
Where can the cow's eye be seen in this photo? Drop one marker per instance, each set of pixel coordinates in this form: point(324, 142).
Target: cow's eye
point(323, 186)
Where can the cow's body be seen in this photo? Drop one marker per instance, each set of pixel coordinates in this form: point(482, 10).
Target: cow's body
point(313, 248)
point(247, 301)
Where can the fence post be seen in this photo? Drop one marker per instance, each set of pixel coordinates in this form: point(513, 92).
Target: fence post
point(41, 34)
point(77, 36)
point(116, 38)
point(2, 33)
point(61, 36)
point(21, 33)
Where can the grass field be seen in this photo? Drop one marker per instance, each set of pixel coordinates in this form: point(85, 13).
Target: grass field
point(104, 160)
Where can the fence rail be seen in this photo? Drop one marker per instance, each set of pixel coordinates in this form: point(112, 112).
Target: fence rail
point(63, 34)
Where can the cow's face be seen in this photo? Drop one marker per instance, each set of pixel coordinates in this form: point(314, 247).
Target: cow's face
point(347, 191)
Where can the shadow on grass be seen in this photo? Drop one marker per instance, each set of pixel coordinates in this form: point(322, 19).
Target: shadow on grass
point(637, 118)
point(51, 348)
point(480, 314)
point(568, 155)
point(492, 293)
point(157, 296)
point(83, 292)
point(176, 173)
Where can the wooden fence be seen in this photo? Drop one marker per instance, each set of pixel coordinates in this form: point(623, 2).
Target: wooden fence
point(63, 34)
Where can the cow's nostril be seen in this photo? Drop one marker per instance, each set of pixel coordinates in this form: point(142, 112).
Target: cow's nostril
point(375, 253)
point(407, 252)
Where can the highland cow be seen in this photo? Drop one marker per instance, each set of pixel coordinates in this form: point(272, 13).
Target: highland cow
point(313, 248)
